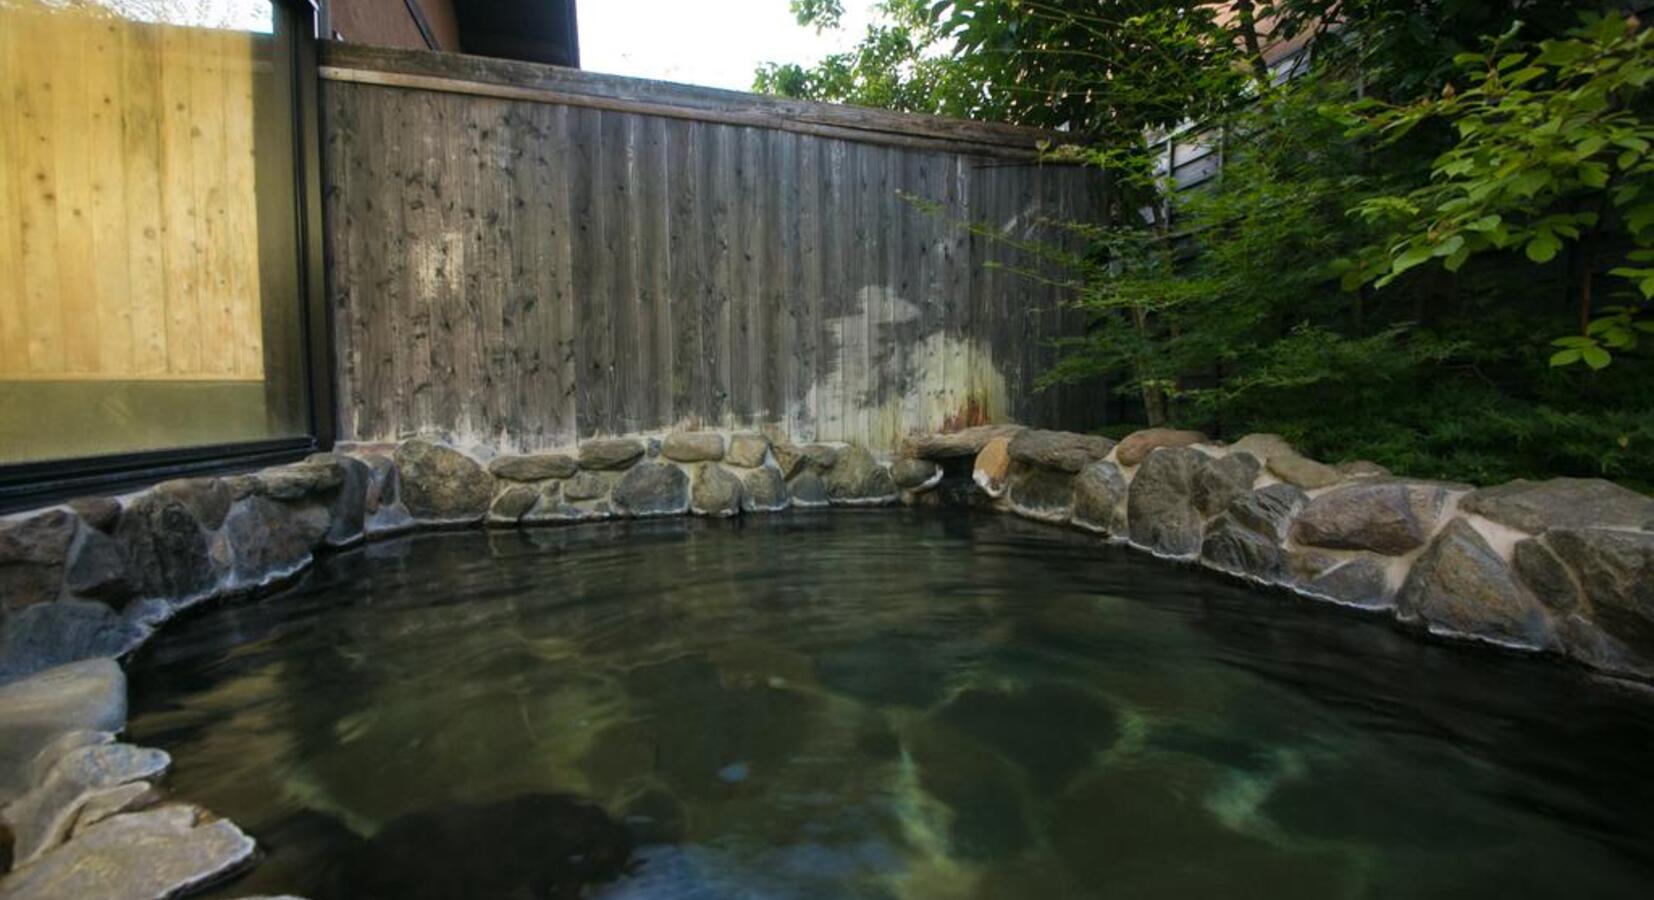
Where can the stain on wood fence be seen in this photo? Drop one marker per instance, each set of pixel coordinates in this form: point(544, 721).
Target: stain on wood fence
point(529, 256)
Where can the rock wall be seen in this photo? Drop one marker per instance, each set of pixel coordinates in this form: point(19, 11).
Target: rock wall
point(1563, 566)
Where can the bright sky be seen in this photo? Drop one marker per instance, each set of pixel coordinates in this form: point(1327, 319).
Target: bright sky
point(716, 43)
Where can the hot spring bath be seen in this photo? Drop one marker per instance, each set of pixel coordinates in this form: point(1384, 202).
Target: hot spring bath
point(875, 704)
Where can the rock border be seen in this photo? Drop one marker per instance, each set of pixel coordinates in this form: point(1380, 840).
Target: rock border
point(1564, 567)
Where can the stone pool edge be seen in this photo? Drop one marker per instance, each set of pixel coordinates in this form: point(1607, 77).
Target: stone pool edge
point(1561, 567)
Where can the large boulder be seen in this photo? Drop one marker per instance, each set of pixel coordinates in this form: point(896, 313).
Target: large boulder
point(88, 696)
point(807, 489)
point(165, 548)
point(1060, 450)
point(52, 634)
point(272, 539)
point(1286, 463)
point(1161, 512)
point(586, 486)
point(960, 444)
point(32, 554)
point(717, 492)
point(1099, 494)
point(96, 568)
point(347, 505)
point(1223, 480)
point(789, 458)
point(763, 490)
point(99, 512)
point(164, 852)
point(857, 478)
point(1615, 570)
point(652, 489)
point(992, 468)
point(514, 500)
point(1360, 580)
point(1135, 447)
point(611, 453)
point(533, 467)
point(207, 499)
point(1534, 506)
point(1388, 516)
point(1043, 494)
point(693, 446)
point(87, 775)
point(913, 474)
point(1250, 536)
point(1462, 586)
point(441, 484)
point(747, 450)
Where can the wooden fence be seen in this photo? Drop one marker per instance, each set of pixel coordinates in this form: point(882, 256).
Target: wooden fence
point(526, 256)
point(128, 220)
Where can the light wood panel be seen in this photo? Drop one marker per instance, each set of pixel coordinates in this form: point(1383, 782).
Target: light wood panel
point(129, 227)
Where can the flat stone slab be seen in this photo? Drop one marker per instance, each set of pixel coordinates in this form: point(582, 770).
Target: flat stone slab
point(1534, 506)
point(956, 444)
point(83, 696)
point(162, 852)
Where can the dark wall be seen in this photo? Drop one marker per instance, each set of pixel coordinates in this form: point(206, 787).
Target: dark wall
point(524, 273)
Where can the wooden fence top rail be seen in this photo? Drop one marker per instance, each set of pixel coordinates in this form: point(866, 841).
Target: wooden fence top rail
point(534, 82)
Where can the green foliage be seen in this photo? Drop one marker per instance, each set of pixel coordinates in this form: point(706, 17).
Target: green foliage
point(1552, 147)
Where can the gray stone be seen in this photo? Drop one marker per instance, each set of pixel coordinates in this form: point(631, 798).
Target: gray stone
point(101, 804)
point(1041, 493)
point(1615, 569)
point(585, 486)
point(314, 479)
point(1099, 492)
point(612, 453)
point(790, 458)
point(51, 634)
point(747, 450)
point(915, 474)
point(1361, 581)
point(32, 553)
point(1361, 468)
point(42, 817)
point(550, 507)
point(1137, 446)
point(1388, 516)
point(857, 478)
point(1304, 472)
point(1534, 506)
point(96, 569)
point(652, 489)
point(383, 484)
point(347, 505)
point(717, 492)
point(821, 457)
point(165, 548)
point(534, 467)
point(763, 490)
point(162, 852)
point(1460, 585)
point(693, 446)
point(808, 489)
point(272, 539)
point(1223, 480)
point(962, 444)
point(1249, 536)
point(1060, 450)
point(512, 502)
point(442, 484)
point(1546, 575)
point(85, 696)
point(207, 499)
point(99, 512)
point(1160, 504)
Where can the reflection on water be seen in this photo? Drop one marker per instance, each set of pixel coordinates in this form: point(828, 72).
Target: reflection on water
point(879, 705)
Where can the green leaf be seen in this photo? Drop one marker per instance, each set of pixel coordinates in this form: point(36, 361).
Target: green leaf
point(1543, 248)
point(1596, 357)
point(1564, 358)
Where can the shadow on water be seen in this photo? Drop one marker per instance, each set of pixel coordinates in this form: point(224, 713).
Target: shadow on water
point(877, 705)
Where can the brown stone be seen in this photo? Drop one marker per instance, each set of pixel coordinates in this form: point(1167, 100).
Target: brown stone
point(32, 554)
point(693, 446)
point(533, 467)
point(1462, 586)
point(747, 450)
point(956, 444)
point(1137, 446)
point(993, 466)
point(1389, 516)
point(1064, 451)
point(612, 453)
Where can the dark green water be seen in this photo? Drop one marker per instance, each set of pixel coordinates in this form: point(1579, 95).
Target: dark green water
point(882, 704)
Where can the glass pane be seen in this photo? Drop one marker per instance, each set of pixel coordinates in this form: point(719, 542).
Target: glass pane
point(149, 283)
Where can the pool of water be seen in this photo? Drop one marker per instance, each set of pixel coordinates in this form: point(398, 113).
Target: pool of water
point(876, 704)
